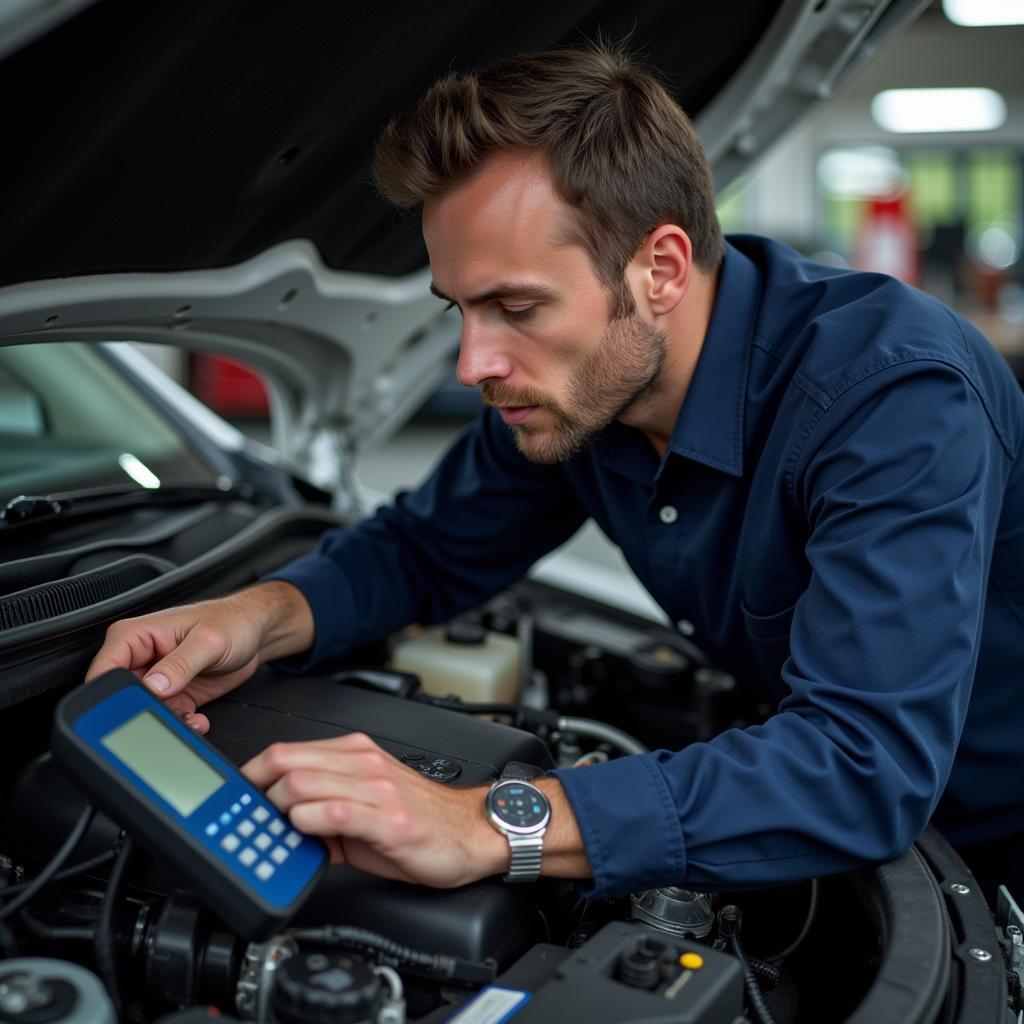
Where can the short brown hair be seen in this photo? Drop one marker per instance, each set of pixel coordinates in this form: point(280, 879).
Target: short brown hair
point(623, 153)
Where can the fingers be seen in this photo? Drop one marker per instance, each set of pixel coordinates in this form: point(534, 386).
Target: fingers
point(391, 820)
point(167, 650)
point(200, 723)
point(370, 837)
point(280, 758)
point(122, 648)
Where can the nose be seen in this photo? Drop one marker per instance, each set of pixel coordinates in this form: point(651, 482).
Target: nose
point(481, 356)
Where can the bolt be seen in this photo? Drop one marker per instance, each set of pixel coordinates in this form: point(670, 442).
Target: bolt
point(960, 889)
point(980, 954)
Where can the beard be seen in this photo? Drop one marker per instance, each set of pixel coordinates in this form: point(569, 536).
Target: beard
point(622, 372)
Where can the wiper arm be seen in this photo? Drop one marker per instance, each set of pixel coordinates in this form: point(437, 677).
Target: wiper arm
point(34, 508)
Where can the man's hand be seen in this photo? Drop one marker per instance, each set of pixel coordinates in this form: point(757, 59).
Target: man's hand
point(378, 814)
point(381, 816)
point(193, 654)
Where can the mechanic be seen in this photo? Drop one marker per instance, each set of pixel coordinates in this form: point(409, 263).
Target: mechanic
point(820, 470)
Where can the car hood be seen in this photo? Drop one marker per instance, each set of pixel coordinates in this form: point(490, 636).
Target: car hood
point(196, 174)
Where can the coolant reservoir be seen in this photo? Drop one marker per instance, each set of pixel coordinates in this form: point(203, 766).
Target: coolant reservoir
point(463, 659)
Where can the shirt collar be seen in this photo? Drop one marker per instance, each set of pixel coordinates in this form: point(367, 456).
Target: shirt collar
point(709, 428)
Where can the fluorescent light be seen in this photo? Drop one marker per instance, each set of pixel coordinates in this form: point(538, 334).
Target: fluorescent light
point(973, 13)
point(938, 110)
point(138, 471)
point(862, 171)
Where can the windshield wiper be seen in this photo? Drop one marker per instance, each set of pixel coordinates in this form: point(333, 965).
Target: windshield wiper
point(35, 508)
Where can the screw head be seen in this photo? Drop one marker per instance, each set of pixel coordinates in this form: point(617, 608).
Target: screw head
point(980, 954)
point(960, 889)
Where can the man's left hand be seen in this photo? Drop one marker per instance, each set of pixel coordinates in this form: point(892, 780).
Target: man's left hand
point(378, 814)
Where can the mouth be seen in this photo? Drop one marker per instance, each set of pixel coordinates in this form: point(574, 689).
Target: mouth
point(514, 414)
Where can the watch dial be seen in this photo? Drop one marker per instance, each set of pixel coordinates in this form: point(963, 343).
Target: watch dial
point(519, 805)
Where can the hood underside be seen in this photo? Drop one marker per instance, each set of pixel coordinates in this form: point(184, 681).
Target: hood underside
point(197, 173)
point(182, 135)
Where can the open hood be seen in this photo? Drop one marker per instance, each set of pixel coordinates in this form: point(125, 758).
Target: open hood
point(196, 173)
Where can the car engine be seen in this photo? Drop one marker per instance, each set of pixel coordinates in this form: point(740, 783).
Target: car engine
point(534, 677)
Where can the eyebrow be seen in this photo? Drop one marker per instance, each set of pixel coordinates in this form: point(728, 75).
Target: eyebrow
point(504, 290)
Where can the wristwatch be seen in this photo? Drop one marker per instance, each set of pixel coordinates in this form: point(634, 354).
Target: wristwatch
point(520, 812)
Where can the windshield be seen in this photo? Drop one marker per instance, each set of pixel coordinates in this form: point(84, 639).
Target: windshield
point(70, 420)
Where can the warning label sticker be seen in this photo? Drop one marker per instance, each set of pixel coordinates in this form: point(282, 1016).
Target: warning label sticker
point(492, 1006)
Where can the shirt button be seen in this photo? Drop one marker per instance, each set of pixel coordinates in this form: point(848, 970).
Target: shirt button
point(668, 514)
point(685, 626)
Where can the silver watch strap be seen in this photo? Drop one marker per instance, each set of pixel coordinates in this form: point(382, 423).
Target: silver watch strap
point(526, 855)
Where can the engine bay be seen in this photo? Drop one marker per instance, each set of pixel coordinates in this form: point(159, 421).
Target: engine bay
point(535, 677)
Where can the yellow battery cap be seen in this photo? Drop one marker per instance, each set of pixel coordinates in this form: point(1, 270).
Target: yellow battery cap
point(691, 961)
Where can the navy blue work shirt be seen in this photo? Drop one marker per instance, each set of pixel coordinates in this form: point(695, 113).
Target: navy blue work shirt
point(839, 513)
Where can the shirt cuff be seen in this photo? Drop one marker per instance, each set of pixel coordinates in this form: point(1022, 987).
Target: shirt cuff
point(630, 825)
point(332, 602)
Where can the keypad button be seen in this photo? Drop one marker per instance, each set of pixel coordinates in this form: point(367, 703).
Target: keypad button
point(263, 841)
point(248, 857)
point(225, 818)
point(292, 839)
point(260, 815)
point(245, 828)
point(230, 842)
point(264, 871)
point(212, 829)
point(235, 808)
point(245, 799)
point(278, 854)
point(276, 827)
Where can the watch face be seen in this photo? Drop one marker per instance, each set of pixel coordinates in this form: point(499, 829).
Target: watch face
point(519, 806)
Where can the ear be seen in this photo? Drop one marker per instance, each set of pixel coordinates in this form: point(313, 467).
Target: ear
point(664, 266)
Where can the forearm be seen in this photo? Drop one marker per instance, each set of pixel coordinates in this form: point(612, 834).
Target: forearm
point(285, 617)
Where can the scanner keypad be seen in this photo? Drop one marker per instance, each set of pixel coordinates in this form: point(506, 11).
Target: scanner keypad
point(260, 838)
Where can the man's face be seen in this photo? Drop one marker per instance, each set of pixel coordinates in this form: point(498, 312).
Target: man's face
point(537, 336)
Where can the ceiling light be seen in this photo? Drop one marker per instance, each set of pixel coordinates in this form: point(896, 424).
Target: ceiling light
point(938, 110)
point(861, 172)
point(973, 13)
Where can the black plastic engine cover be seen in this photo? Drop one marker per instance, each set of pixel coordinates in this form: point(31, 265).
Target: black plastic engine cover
point(272, 707)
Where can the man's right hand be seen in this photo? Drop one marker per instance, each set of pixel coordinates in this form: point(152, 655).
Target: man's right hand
point(193, 654)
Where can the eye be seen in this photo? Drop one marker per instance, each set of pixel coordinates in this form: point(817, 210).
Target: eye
point(519, 314)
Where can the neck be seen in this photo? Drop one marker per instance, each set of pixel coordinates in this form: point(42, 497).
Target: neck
point(685, 330)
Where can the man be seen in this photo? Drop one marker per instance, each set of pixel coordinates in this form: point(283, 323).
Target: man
point(820, 470)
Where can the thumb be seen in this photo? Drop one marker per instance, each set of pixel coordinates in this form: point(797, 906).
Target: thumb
point(173, 672)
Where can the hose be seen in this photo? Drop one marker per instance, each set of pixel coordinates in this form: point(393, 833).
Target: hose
point(51, 869)
point(448, 967)
point(605, 733)
point(103, 941)
point(76, 869)
point(729, 922)
point(531, 718)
